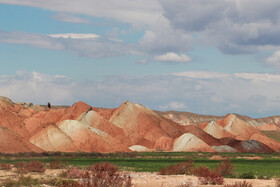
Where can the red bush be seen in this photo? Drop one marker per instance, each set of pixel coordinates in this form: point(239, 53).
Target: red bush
point(99, 175)
point(201, 171)
point(105, 174)
point(225, 168)
point(5, 166)
point(74, 173)
point(103, 167)
point(70, 184)
point(240, 184)
point(19, 164)
point(35, 166)
point(277, 181)
point(180, 168)
point(212, 178)
point(57, 164)
point(206, 176)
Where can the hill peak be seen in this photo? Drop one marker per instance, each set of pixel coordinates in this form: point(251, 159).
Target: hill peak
point(6, 100)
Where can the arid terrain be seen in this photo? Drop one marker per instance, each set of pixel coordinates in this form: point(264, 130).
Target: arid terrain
point(26, 127)
point(141, 179)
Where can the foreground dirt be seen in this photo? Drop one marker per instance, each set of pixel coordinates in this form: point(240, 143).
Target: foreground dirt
point(145, 179)
point(152, 179)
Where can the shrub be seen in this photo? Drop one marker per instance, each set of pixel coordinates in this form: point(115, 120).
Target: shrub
point(103, 167)
point(179, 168)
point(21, 181)
point(240, 184)
point(277, 182)
point(211, 178)
point(187, 183)
point(201, 171)
point(206, 176)
point(225, 168)
point(70, 184)
point(35, 166)
point(57, 164)
point(19, 164)
point(74, 173)
point(5, 166)
point(247, 175)
point(105, 174)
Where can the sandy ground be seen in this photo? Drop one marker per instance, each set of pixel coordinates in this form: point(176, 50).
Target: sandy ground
point(152, 179)
point(147, 179)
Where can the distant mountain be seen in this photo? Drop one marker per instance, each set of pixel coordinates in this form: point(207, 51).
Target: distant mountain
point(25, 127)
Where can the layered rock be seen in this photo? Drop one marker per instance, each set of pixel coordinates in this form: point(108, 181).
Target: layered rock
point(25, 127)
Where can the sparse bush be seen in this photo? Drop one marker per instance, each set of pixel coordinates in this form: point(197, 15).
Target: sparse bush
point(19, 164)
point(21, 181)
point(70, 183)
point(201, 171)
point(225, 168)
point(187, 183)
point(5, 166)
point(240, 184)
point(247, 175)
point(75, 173)
point(57, 164)
point(277, 182)
point(103, 167)
point(35, 166)
point(211, 178)
point(206, 176)
point(179, 168)
point(105, 174)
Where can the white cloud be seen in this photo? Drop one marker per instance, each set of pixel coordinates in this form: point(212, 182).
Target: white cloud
point(37, 40)
point(75, 36)
point(274, 59)
point(201, 74)
point(136, 12)
point(38, 88)
point(177, 105)
point(259, 77)
point(232, 26)
point(173, 57)
point(163, 92)
point(173, 106)
point(87, 45)
point(70, 18)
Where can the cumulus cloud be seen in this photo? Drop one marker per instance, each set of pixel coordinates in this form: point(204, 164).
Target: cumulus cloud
point(233, 26)
point(259, 77)
point(70, 18)
point(173, 57)
point(161, 38)
point(37, 40)
point(201, 74)
point(75, 36)
point(38, 88)
point(216, 96)
point(274, 59)
point(86, 45)
point(173, 106)
point(138, 12)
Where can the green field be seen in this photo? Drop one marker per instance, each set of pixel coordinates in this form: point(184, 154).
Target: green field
point(154, 161)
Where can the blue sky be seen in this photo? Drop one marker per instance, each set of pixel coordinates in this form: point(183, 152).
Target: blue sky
point(208, 57)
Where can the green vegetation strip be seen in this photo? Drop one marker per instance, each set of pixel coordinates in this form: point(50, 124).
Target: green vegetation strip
point(153, 162)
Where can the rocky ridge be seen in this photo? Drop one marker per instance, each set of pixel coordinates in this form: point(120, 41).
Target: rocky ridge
point(25, 127)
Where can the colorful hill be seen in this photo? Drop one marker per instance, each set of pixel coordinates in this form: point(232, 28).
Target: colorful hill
point(25, 127)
